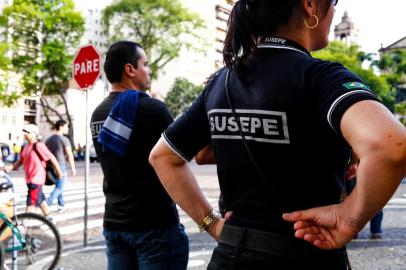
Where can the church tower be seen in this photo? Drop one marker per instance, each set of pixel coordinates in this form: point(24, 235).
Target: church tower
point(346, 30)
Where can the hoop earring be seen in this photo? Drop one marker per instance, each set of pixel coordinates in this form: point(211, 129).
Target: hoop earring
point(314, 26)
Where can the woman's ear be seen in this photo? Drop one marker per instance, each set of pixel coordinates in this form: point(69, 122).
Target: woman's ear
point(309, 7)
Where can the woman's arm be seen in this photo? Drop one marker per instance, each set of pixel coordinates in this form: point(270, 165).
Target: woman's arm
point(178, 180)
point(379, 140)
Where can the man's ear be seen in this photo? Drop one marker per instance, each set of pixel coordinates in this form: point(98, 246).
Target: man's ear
point(129, 70)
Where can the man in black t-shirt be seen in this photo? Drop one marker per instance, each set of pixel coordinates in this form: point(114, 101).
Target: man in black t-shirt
point(141, 222)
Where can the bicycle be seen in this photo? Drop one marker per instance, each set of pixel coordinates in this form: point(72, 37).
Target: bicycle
point(27, 240)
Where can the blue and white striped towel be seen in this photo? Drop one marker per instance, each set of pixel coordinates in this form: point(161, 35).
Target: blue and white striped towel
point(116, 131)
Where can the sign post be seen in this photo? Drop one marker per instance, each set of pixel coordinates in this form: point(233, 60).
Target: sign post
point(86, 71)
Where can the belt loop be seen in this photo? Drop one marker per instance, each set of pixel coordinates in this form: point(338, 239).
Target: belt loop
point(237, 249)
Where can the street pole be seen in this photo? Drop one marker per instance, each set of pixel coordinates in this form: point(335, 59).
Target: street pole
point(86, 170)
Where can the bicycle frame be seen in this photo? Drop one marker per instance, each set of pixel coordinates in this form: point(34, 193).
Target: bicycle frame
point(16, 233)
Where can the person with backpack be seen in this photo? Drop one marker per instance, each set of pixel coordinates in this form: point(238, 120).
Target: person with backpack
point(34, 156)
point(61, 148)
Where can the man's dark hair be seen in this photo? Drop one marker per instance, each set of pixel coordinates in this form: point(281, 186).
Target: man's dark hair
point(59, 124)
point(118, 55)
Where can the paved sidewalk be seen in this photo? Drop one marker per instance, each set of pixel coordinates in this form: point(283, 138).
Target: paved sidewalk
point(388, 253)
point(78, 257)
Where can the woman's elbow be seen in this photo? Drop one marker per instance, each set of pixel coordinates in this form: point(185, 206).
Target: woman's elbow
point(154, 156)
point(400, 158)
point(396, 155)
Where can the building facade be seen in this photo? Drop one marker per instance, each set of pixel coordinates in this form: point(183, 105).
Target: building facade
point(346, 30)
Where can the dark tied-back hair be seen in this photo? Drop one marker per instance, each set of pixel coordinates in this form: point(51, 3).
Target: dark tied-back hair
point(118, 55)
point(252, 19)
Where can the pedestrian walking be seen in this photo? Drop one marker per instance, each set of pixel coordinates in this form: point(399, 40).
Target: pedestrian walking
point(34, 156)
point(281, 125)
point(141, 222)
point(79, 152)
point(16, 149)
point(60, 147)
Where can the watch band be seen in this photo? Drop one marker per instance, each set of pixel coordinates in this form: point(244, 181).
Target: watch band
point(212, 216)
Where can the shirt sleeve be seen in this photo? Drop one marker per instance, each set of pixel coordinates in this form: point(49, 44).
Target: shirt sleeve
point(190, 132)
point(65, 141)
point(335, 89)
point(44, 151)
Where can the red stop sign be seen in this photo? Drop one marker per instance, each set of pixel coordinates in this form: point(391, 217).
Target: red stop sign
point(86, 66)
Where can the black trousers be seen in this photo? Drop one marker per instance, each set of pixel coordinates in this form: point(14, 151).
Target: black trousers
point(248, 249)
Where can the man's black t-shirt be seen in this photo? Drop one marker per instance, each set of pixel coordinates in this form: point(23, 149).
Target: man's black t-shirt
point(135, 198)
point(290, 114)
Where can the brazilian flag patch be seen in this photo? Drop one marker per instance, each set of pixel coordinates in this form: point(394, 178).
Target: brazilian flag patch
point(356, 85)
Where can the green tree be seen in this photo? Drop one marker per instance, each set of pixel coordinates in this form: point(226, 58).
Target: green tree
point(44, 35)
point(162, 27)
point(6, 97)
point(353, 58)
point(182, 95)
point(393, 64)
point(400, 109)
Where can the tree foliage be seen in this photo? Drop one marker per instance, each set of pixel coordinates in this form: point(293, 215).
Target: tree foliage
point(6, 98)
point(182, 95)
point(44, 35)
point(162, 27)
point(400, 109)
point(393, 64)
point(353, 58)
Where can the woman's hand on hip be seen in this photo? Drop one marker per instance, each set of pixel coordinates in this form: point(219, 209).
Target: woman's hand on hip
point(216, 227)
point(325, 227)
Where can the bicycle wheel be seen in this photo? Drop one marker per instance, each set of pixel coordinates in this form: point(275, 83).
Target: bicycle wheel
point(1, 256)
point(43, 243)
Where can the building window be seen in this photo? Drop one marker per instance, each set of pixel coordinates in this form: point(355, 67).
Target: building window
point(14, 119)
point(4, 118)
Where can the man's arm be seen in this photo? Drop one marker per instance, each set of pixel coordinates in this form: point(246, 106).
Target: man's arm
point(71, 160)
point(379, 140)
point(55, 164)
point(14, 166)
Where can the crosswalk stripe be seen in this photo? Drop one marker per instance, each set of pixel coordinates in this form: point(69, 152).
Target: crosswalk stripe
point(79, 204)
point(74, 195)
point(77, 227)
point(77, 214)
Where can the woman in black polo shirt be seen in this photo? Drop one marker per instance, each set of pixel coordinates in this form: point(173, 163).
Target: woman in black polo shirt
point(281, 125)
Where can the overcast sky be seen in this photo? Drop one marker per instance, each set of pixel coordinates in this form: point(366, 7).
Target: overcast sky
point(379, 21)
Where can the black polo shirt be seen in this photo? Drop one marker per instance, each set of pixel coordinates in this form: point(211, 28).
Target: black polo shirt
point(135, 198)
point(290, 114)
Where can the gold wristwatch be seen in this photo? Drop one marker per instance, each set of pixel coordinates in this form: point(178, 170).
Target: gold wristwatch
point(212, 216)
